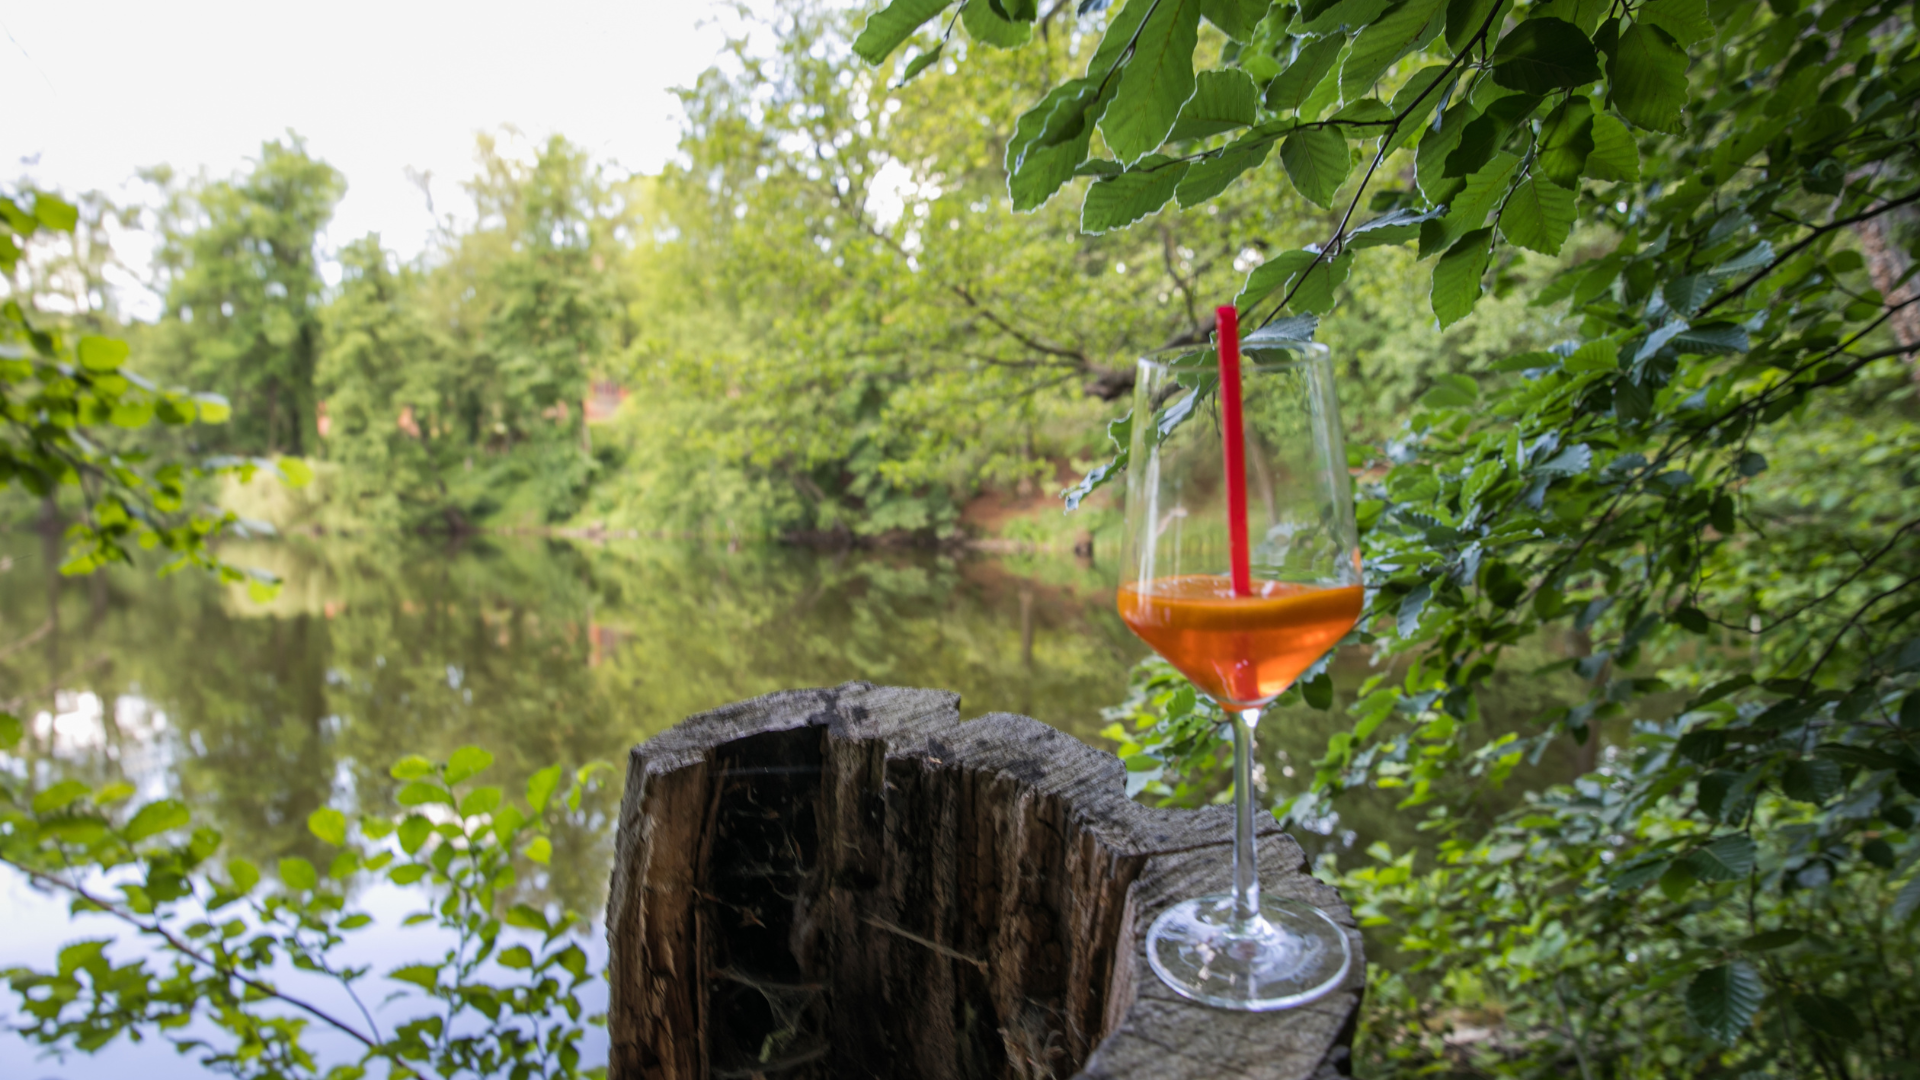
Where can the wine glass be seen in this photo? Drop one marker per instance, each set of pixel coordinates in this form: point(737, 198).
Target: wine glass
point(1241, 643)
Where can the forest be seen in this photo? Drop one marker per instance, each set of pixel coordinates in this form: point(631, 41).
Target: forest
point(1622, 300)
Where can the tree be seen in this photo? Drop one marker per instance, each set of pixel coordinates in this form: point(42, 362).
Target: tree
point(385, 379)
point(243, 291)
point(1698, 480)
point(70, 405)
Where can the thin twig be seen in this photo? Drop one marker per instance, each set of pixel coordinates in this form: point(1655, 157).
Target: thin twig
point(186, 949)
point(1386, 139)
point(1795, 249)
point(891, 928)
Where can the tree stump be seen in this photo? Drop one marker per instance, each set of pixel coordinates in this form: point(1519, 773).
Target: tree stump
point(852, 883)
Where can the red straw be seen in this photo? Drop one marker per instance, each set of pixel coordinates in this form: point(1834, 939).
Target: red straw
point(1229, 323)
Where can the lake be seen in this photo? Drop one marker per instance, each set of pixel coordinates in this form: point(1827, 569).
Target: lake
point(542, 651)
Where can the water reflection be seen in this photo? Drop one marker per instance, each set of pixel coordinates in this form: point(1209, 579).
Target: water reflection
point(541, 651)
point(551, 651)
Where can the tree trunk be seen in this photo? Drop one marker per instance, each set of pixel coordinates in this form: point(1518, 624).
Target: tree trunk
point(852, 883)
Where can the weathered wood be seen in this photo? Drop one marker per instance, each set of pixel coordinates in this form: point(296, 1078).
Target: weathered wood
point(850, 882)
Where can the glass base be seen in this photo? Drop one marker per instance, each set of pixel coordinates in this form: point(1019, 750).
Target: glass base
point(1294, 953)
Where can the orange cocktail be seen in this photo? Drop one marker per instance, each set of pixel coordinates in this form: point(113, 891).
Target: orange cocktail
point(1243, 650)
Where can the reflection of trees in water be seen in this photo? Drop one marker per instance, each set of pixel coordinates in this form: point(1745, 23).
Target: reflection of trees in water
point(540, 652)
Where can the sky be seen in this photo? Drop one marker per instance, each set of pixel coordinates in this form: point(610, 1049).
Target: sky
point(98, 89)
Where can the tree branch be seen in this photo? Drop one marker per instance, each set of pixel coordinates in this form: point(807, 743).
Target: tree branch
point(187, 950)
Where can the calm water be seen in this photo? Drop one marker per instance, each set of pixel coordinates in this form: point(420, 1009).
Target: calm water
point(542, 652)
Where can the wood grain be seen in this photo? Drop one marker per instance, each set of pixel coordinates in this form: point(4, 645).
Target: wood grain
point(850, 882)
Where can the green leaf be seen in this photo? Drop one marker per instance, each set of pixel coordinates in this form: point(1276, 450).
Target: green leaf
point(297, 873)
point(541, 786)
point(1238, 19)
point(1456, 278)
point(1318, 691)
point(1599, 355)
point(893, 24)
point(1120, 432)
point(102, 353)
point(1314, 296)
point(1400, 31)
point(1222, 101)
point(118, 791)
point(1291, 88)
point(243, 874)
point(329, 825)
point(920, 63)
point(1368, 111)
point(466, 762)
point(420, 792)
point(1394, 227)
point(1050, 141)
point(1729, 858)
point(1451, 391)
point(1436, 149)
point(1711, 339)
point(1538, 216)
point(480, 801)
point(344, 865)
point(989, 26)
point(54, 212)
point(11, 730)
point(1417, 98)
point(1829, 1016)
point(1545, 54)
point(1723, 999)
point(517, 958)
point(294, 472)
point(1907, 901)
point(406, 873)
point(1566, 141)
point(540, 850)
point(1317, 161)
point(212, 408)
point(1812, 780)
point(58, 796)
point(411, 767)
point(1464, 19)
point(527, 918)
point(1470, 205)
point(425, 976)
point(1271, 276)
point(1692, 619)
point(1685, 20)
point(507, 820)
point(1156, 81)
point(156, 818)
point(1648, 73)
point(1118, 201)
point(414, 832)
point(1211, 175)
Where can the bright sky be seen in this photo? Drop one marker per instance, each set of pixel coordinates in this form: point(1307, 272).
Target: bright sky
point(96, 89)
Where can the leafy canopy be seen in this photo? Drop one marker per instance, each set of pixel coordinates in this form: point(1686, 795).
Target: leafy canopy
point(1704, 488)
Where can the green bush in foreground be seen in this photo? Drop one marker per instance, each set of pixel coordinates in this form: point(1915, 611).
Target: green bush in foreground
point(494, 1004)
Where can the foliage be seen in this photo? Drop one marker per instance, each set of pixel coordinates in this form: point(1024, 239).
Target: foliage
point(496, 1002)
point(1705, 485)
point(69, 409)
point(243, 291)
point(380, 362)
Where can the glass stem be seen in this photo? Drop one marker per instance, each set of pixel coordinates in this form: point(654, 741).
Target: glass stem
point(1246, 873)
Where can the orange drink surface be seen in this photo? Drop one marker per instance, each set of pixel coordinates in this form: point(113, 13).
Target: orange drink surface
point(1242, 650)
